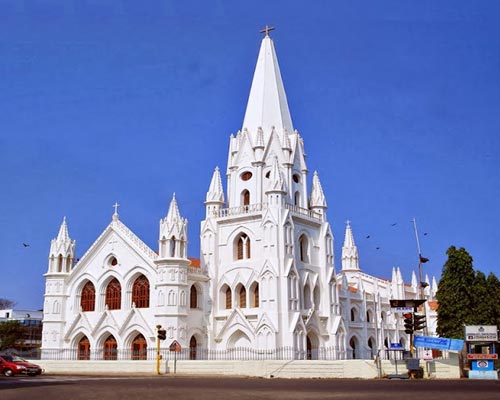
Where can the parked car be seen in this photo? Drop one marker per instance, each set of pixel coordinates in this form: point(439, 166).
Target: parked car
point(14, 365)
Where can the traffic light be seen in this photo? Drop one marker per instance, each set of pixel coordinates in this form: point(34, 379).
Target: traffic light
point(418, 322)
point(408, 323)
point(162, 334)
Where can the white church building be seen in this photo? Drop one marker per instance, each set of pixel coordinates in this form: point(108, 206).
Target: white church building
point(265, 285)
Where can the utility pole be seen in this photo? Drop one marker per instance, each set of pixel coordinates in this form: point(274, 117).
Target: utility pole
point(422, 284)
point(158, 355)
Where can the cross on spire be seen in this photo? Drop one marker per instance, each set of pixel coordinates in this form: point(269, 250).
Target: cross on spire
point(115, 206)
point(267, 29)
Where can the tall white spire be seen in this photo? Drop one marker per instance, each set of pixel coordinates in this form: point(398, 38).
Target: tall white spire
point(173, 214)
point(215, 191)
point(267, 106)
point(63, 235)
point(62, 251)
point(317, 196)
point(173, 233)
point(350, 258)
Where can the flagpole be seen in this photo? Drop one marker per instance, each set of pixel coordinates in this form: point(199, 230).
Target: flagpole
point(422, 284)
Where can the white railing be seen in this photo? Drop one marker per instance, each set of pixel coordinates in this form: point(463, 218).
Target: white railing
point(233, 211)
point(251, 208)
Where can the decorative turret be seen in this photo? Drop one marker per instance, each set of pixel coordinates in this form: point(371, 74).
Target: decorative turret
point(350, 258)
point(276, 189)
point(62, 251)
point(317, 200)
point(215, 195)
point(173, 233)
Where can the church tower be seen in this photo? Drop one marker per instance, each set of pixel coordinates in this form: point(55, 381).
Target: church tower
point(268, 249)
point(61, 259)
point(172, 275)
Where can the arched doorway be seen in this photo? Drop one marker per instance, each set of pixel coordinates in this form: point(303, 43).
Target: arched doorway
point(84, 349)
point(110, 348)
point(311, 347)
point(192, 348)
point(139, 348)
point(354, 345)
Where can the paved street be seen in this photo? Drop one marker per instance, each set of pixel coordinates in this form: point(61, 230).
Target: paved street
point(211, 388)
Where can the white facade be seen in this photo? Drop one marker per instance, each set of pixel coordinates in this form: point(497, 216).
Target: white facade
point(266, 279)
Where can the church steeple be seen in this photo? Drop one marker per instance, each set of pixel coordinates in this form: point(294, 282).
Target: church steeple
point(62, 251)
point(173, 233)
point(215, 195)
point(350, 258)
point(318, 200)
point(267, 106)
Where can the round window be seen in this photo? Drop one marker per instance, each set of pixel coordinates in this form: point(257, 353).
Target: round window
point(245, 176)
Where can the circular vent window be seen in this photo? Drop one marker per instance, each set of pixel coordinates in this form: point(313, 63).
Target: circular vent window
point(245, 176)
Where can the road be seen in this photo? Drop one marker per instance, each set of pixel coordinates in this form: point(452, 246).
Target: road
point(217, 388)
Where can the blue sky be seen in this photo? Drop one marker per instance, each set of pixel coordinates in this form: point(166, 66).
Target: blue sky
point(102, 101)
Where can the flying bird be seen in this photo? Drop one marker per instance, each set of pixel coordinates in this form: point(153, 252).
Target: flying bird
point(26, 245)
point(377, 248)
point(394, 224)
point(368, 237)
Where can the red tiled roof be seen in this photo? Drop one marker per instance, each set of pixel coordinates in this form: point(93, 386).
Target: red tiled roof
point(195, 262)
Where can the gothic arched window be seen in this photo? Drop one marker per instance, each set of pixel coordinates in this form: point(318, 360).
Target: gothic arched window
point(304, 248)
point(245, 198)
point(110, 348)
point(139, 348)
point(255, 293)
point(114, 295)
point(84, 349)
point(193, 297)
point(229, 304)
point(243, 297)
point(87, 301)
point(140, 292)
point(242, 247)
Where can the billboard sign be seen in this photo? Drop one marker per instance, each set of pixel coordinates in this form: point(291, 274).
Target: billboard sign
point(481, 333)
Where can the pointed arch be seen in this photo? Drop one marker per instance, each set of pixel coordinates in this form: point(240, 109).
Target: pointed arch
point(114, 295)
point(307, 296)
point(140, 292)
point(254, 295)
point(193, 344)
point(245, 198)
point(193, 297)
point(242, 296)
point(139, 348)
point(242, 247)
point(296, 199)
point(87, 299)
point(172, 246)
point(239, 339)
point(355, 348)
point(110, 348)
point(304, 248)
point(84, 348)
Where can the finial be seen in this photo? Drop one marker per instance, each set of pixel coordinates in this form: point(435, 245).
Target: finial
point(348, 223)
point(115, 215)
point(267, 29)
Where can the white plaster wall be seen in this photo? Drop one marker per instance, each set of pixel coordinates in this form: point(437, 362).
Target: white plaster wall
point(361, 369)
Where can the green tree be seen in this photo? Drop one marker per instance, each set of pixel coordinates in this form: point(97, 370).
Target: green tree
point(493, 286)
point(481, 301)
point(455, 294)
point(11, 333)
